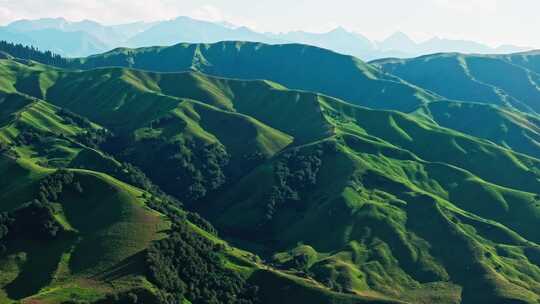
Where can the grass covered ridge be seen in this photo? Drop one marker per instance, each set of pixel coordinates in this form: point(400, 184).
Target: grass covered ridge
point(335, 202)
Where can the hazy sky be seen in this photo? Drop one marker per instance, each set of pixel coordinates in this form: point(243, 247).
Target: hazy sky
point(490, 21)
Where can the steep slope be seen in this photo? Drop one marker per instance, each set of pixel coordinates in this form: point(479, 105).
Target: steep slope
point(528, 60)
point(104, 236)
point(376, 239)
point(477, 78)
point(346, 203)
point(295, 66)
point(115, 111)
point(508, 128)
point(89, 237)
point(141, 88)
point(95, 222)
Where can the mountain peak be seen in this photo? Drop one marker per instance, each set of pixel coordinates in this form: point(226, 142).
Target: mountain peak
point(191, 19)
point(47, 21)
point(38, 24)
point(339, 30)
point(89, 22)
point(398, 41)
point(398, 36)
point(228, 24)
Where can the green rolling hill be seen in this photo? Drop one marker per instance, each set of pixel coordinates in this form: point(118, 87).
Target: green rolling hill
point(377, 89)
point(95, 222)
point(103, 227)
point(295, 66)
point(500, 80)
point(529, 60)
point(506, 127)
point(315, 199)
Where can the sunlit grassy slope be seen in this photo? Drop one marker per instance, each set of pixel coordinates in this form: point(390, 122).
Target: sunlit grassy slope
point(349, 204)
point(511, 81)
point(112, 225)
point(295, 66)
point(506, 127)
point(109, 219)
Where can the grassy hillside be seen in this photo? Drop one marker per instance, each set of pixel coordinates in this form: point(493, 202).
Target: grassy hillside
point(508, 128)
point(335, 202)
point(477, 78)
point(295, 66)
point(105, 224)
point(529, 60)
point(377, 241)
point(102, 223)
point(154, 99)
point(99, 230)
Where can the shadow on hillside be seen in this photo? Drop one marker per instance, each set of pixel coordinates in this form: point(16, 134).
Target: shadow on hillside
point(38, 270)
point(131, 265)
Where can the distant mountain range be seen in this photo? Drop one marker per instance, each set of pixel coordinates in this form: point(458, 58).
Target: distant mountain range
point(83, 38)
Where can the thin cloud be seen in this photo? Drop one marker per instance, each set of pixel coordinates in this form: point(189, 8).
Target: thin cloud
point(113, 11)
point(469, 6)
point(208, 13)
point(215, 14)
point(493, 21)
point(107, 11)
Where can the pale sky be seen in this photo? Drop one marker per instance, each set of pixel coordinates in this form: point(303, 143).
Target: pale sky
point(493, 22)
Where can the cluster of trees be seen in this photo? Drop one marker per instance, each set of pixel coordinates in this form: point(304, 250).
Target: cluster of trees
point(32, 53)
point(188, 266)
point(188, 170)
point(300, 262)
point(5, 223)
point(4, 147)
point(33, 220)
point(54, 184)
point(165, 120)
point(29, 137)
point(197, 168)
point(36, 219)
point(202, 223)
point(159, 200)
point(170, 206)
point(136, 177)
point(74, 119)
point(92, 137)
point(156, 198)
point(133, 296)
point(294, 172)
point(183, 266)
